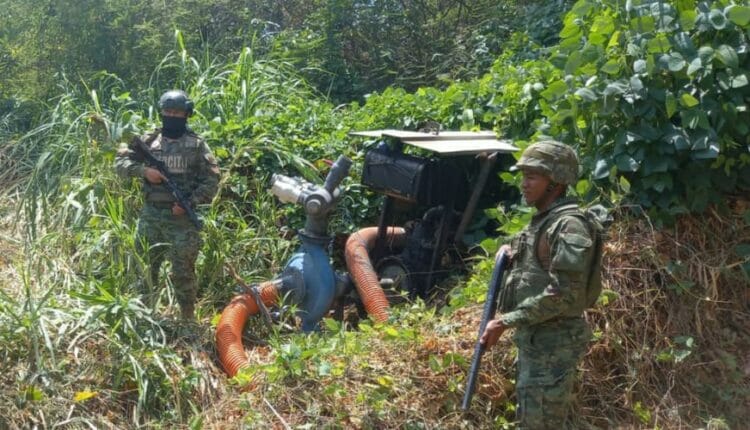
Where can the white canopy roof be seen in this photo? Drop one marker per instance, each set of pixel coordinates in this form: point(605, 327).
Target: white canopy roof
point(447, 142)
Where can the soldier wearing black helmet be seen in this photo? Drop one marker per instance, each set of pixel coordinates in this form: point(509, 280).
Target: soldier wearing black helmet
point(551, 262)
point(164, 231)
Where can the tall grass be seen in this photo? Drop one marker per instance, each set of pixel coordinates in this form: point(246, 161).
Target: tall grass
point(79, 347)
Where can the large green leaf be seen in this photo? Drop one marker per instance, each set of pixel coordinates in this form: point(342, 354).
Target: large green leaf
point(694, 66)
point(601, 29)
point(687, 19)
point(659, 182)
point(724, 80)
point(624, 184)
point(643, 24)
point(688, 100)
point(586, 94)
point(728, 56)
point(582, 187)
point(658, 44)
point(675, 62)
point(645, 131)
point(626, 163)
point(706, 54)
point(467, 118)
point(706, 154)
point(684, 43)
point(571, 30)
point(636, 84)
point(639, 66)
point(555, 90)
point(678, 140)
point(700, 140)
point(694, 118)
point(656, 164)
point(618, 87)
point(739, 81)
point(739, 15)
point(616, 40)
point(573, 63)
point(611, 67)
point(601, 170)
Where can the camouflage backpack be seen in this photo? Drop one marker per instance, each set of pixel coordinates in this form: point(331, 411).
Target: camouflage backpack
point(598, 219)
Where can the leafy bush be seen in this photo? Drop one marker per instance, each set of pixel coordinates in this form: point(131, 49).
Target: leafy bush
point(652, 94)
point(656, 92)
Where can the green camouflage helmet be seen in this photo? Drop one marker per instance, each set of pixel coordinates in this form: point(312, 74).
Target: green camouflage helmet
point(556, 159)
point(177, 100)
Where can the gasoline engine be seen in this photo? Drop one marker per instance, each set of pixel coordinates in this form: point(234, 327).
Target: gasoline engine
point(401, 259)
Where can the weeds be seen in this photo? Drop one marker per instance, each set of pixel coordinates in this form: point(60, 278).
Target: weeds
point(83, 347)
point(78, 347)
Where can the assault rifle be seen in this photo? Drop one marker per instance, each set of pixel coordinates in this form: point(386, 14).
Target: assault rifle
point(140, 147)
point(494, 297)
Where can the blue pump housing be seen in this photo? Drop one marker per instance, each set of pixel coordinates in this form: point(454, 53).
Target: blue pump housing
point(308, 274)
point(318, 289)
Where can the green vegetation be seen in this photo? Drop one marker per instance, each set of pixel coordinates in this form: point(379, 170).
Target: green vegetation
point(653, 94)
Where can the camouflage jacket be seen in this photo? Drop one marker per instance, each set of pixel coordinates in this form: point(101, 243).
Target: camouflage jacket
point(191, 165)
point(548, 281)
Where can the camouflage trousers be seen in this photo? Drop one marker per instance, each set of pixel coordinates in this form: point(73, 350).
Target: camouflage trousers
point(161, 235)
point(548, 357)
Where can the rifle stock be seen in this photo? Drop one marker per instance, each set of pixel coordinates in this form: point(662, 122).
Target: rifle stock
point(490, 308)
point(139, 146)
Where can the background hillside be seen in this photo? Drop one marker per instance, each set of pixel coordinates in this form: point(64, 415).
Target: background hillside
point(653, 95)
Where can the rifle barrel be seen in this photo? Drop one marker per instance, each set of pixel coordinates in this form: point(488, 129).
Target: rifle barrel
point(490, 308)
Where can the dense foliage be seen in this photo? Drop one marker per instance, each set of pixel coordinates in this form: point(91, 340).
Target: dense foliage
point(653, 95)
point(657, 93)
point(344, 48)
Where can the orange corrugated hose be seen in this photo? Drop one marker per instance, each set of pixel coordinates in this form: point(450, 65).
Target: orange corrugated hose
point(229, 330)
point(362, 272)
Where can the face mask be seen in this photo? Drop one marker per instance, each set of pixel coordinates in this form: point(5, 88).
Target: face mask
point(173, 126)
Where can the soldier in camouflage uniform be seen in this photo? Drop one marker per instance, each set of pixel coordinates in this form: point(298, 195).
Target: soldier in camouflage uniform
point(164, 230)
point(547, 289)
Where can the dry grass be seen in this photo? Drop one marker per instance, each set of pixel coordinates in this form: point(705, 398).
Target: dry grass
point(634, 375)
point(383, 382)
point(623, 372)
point(410, 375)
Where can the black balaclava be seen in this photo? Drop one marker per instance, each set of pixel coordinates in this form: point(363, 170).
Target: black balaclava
point(173, 126)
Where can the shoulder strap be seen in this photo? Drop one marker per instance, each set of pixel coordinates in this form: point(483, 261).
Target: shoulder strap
point(597, 220)
point(150, 138)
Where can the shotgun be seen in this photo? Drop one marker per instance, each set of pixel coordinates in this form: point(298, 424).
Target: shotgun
point(494, 297)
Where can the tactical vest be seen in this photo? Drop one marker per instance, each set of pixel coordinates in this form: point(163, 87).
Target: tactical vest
point(184, 158)
point(529, 275)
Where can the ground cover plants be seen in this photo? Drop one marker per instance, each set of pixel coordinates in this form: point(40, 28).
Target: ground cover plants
point(652, 94)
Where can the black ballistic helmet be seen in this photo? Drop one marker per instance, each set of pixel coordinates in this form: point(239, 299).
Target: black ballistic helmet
point(177, 100)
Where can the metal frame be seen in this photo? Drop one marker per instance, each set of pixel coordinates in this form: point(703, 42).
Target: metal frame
point(482, 144)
